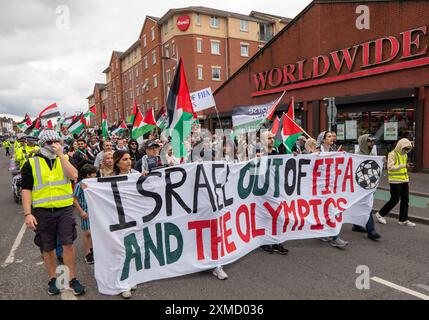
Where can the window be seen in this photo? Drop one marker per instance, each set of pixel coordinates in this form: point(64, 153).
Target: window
point(155, 102)
point(146, 84)
point(125, 78)
point(167, 51)
point(131, 75)
point(198, 19)
point(174, 49)
point(148, 104)
point(215, 47)
point(145, 62)
point(244, 25)
point(153, 57)
point(166, 27)
point(214, 22)
point(155, 81)
point(137, 91)
point(199, 45)
point(144, 41)
point(137, 72)
point(216, 73)
point(200, 73)
point(168, 75)
point(152, 33)
point(244, 49)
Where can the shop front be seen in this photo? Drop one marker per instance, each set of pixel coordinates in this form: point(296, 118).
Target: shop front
point(378, 77)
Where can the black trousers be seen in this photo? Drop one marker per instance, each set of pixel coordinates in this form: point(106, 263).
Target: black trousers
point(7, 152)
point(398, 191)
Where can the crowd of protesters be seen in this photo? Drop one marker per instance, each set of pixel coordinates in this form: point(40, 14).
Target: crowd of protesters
point(93, 156)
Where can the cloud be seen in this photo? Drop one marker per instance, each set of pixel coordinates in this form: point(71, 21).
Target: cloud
point(42, 62)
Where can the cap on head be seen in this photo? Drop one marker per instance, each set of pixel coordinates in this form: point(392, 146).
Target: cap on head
point(48, 135)
point(152, 144)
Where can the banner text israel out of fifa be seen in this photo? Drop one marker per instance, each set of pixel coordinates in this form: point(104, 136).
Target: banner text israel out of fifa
point(197, 216)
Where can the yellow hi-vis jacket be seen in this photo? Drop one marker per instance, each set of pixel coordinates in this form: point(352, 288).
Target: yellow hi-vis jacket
point(51, 189)
point(22, 155)
point(401, 174)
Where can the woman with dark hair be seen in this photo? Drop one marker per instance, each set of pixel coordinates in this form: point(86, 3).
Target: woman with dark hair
point(133, 148)
point(121, 166)
point(122, 163)
point(72, 148)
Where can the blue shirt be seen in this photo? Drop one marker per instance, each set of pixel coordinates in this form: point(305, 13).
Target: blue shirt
point(78, 193)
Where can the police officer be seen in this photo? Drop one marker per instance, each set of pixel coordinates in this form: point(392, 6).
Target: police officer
point(48, 206)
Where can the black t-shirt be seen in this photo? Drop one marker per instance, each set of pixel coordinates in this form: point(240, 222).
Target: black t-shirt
point(27, 174)
point(274, 152)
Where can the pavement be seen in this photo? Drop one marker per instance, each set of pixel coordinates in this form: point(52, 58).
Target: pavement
point(419, 197)
point(396, 267)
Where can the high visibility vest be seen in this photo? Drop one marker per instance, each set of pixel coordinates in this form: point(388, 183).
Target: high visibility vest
point(6, 144)
point(22, 155)
point(401, 174)
point(51, 189)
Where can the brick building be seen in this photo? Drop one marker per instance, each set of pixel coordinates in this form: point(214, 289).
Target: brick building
point(212, 43)
point(379, 76)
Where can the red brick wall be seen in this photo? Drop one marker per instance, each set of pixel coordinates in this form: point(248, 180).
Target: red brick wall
point(234, 53)
point(312, 35)
point(426, 129)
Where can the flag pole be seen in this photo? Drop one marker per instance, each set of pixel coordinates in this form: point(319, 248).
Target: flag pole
point(220, 122)
point(298, 126)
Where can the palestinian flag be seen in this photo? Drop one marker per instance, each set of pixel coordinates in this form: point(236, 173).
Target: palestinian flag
point(142, 126)
point(133, 115)
point(104, 126)
point(34, 128)
point(91, 112)
point(50, 112)
point(50, 126)
point(276, 129)
point(78, 125)
point(161, 119)
point(120, 129)
point(291, 110)
point(290, 132)
point(24, 123)
point(180, 112)
point(68, 121)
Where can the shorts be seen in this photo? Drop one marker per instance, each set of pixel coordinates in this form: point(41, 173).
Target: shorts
point(52, 225)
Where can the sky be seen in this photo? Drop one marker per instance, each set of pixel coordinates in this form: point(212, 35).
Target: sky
point(56, 50)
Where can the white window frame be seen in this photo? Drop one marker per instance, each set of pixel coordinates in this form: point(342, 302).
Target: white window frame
point(211, 47)
point(200, 72)
point(153, 57)
point(146, 82)
point(156, 105)
point(199, 45)
point(166, 27)
point(144, 41)
point(198, 19)
point(131, 74)
point(152, 33)
point(214, 22)
point(146, 65)
point(168, 76)
point(148, 104)
point(155, 81)
point(136, 71)
point(220, 70)
point(244, 44)
point(167, 50)
point(244, 25)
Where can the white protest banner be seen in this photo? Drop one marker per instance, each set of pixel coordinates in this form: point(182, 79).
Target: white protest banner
point(197, 216)
point(202, 100)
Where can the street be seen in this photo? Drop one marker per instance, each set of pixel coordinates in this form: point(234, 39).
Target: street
point(312, 269)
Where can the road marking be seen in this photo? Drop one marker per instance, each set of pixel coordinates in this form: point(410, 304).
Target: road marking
point(11, 258)
point(400, 288)
point(39, 263)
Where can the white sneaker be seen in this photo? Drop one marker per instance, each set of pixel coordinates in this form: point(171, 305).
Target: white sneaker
point(407, 223)
point(126, 294)
point(134, 288)
point(220, 274)
point(380, 218)
point(339, 243)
